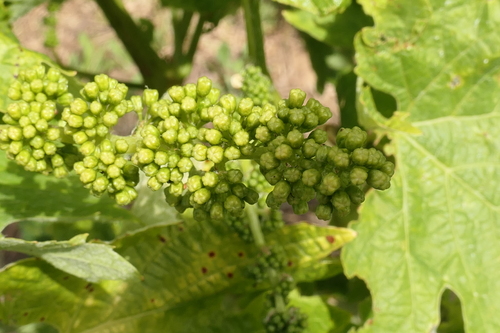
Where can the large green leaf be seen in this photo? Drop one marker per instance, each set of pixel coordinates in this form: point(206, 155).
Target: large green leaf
point(91, 262)
point(179, 264)
point(437, 227)
point(29, 196)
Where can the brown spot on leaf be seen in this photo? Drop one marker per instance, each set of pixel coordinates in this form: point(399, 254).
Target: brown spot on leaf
point(91, 290)
point(25, 314)
point(211, 254)
point(240, 254)
point(330, 239)
point(152, 300)
point(230, 275)
point(204, 270)
point(289, 263)
point(181, 229)
point(88, 286)
point(66, 277)
point(162, 239)
point(42, 319)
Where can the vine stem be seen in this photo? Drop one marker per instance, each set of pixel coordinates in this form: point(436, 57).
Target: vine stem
point(254, 223)
point(255, 38)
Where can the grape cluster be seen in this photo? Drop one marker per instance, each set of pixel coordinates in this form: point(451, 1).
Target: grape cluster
point(289, 321)
point(304, 169)
point(271, 259)
point(257, 86)
point(284, 286)
point(187, 145)
point(31, 136)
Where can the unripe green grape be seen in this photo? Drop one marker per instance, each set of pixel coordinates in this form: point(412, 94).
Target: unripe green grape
point(78, 106)
point(235, 126)
point(319, 136)
point(91, 90)
point(175, 175)
point(28, 96)
point(115, 96)
point(276, 125)
point(29, 132)
point(378, 180)
point(80, 137)
point(14, 111)
point(90, 162)
point(228, 102)
point(233, 204)
point(48, 113)
point(87, 176)
point(107, 157)
point(252, 197)
point(183, 136)
point(341, 202)
point(292, 175)
point(96, 107)
point(210, 179)
point(338, 158)
point(240, 190)
point(213, 136)
point(120, 162)
point(185, 164)
point(163, 175)
point(203, 86)
point(311, 177)
point(358, 176)
point(300, 208)
point(145, 156)
point(51, 88)
point(14, 94)
point(15, 133)
point(310, 148)
point(57, 161)
point(296, 117)
point(199, 152)
point(23, 157)
point(194, 183)
point(273, 176)
point(268, 161)
point(282, 190)
point(388, 168)
point(188, 104)
point(31, 165)
point(119, 183)
point(170, 136)
point(154, 184)
point(324, 212)
point(283, 152)
point(152, 142)
point(102, 81)
point(295, 138)
point(151, 169)
point(329, 184)
point(201, 196)
point(222, 122)
point(268, 113)
point(296, 98)
point(232, 153)
point(217, 211)
point(37, 142)
point(41, 97)
point(262, 133)
point(222, 187)
point(123, 198)
point(241, 138)
point(41, 165)
point(356, 195)
point(176, 93)
point(87, 148)
point(245, 106)
point(215, 154)
point(64, 99)
point(100, 184)
point(110, 119)
point(75, 121)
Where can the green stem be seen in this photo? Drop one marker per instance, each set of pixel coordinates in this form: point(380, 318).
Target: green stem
point(195, 38)
point(181, 20)
point(152, 67)
point(253, 221)
point(255, 38)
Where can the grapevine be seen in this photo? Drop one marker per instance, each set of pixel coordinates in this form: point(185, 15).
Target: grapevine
point(223, 159)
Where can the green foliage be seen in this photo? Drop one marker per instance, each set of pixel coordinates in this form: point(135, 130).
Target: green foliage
point(185, 263)
point(435, 228)
point(91, 262)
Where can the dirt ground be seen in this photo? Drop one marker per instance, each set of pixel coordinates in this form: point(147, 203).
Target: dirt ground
point(287, 59)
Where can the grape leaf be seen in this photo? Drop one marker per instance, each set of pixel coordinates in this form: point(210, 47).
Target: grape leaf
point(318, 7)
point(179, 263)
point(29, 196)
point(91, 262)
point(437, 227)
